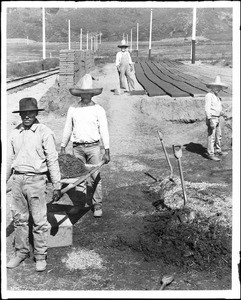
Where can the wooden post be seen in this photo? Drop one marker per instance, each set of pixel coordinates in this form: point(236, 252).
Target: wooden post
point(69, 35)
point(149, 56)
point(91, 43)
point(80, 46)
point(194, 34)
point(131, 40)
point(96, 41)
point(44, 50)
point(137, 37)
point(100, 37)
point(87, 37)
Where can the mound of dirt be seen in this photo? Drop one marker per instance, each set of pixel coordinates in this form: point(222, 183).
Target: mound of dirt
point(70, 166)
point(186, 236)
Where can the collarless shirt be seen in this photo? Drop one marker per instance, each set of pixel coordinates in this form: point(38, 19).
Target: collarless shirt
point(86, 125)
point(33, 151)
point(213, 105)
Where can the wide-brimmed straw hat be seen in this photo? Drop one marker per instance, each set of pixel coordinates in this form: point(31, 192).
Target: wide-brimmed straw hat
point(217, 82)
point(123, 44)
point(28, 104)
point(85, 86)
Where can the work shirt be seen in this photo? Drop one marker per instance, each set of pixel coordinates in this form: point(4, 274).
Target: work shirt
point(86, 125)
point(123, 58)
point(32, 151)
point(213, 105)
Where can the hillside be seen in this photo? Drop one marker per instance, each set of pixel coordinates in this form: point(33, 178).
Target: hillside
point(212, 23)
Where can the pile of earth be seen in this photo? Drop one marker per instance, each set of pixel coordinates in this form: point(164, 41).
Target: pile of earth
point(197, 235)
point(71, 166)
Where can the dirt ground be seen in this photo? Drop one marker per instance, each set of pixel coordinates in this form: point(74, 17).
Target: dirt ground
point(136, 242)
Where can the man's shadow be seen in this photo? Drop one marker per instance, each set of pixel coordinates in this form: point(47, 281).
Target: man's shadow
point(196, 148)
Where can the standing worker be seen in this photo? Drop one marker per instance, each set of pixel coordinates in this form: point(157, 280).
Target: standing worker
point(32, 153)
point(124, 67)
point(213, 111)
point(85, 125)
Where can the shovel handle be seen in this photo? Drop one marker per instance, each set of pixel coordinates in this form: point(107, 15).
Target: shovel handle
point(167, 157)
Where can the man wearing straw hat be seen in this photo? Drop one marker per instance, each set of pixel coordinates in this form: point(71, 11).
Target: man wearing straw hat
point(213, 111)
point(86, 126)
point(32, 154)
point(124, 67)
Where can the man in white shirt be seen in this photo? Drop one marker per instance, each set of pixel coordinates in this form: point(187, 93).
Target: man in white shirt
point(213, 111)
point(124, 67)
point(86, 124)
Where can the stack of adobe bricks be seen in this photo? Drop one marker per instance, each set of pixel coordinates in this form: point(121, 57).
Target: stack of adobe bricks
point(73, 64)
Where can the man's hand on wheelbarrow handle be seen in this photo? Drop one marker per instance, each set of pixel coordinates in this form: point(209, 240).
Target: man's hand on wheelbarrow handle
point(56, 195)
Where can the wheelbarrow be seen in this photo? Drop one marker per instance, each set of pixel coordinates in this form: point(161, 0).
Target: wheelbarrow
point(73, 182)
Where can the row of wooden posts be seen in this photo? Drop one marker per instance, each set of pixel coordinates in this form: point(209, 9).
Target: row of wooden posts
point(94, 38)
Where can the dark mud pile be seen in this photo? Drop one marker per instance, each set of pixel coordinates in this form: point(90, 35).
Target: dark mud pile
point(70, 166)
point(187, 236)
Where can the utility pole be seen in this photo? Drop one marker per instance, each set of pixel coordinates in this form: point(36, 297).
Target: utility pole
point(150, 36)
point(87, 46)
point(80, 46)
point(137, 37)
point(69, 34)
point(131, 39)
point(194, 34)
point(100, 37)
point(43, 16)
point(91, 43)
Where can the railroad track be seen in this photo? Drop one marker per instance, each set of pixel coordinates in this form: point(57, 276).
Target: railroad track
point(34, 78)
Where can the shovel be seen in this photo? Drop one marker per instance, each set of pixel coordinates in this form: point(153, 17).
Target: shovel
point(178, 154)
point(80, 179)
point(167, 157)
point(166, 279)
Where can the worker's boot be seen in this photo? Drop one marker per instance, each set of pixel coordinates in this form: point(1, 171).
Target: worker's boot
point(213, 157)
point(41, 265)
point(15, 261)
point(98, 211)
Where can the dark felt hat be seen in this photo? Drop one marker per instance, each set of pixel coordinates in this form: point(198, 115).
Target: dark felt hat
point(28, 104)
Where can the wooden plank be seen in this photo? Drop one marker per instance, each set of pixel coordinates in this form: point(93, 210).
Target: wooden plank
point(169, 88)
point(151, 89)
point(191, 80)
point(176, 80)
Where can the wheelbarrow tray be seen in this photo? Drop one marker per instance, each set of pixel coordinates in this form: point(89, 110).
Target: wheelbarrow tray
point(73, 182)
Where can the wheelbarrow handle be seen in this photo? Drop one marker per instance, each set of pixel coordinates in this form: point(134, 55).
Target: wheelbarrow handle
point(82, 178)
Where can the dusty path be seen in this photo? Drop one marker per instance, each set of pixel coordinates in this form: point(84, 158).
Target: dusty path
point(124, 240)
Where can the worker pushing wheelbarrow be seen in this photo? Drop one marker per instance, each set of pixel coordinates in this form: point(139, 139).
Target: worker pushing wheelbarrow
point(86, 126)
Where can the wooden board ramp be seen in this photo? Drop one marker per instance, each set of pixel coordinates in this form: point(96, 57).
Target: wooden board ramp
point(167, 78)
point(176, 81)
point(151, 88)
point(169, 88)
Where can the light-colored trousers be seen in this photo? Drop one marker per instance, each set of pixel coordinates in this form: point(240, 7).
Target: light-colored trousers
point(214, 136)
point(125, 74)
point(91, 154)
point(29, 198)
